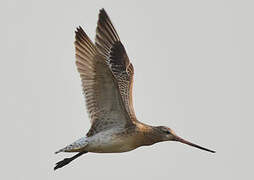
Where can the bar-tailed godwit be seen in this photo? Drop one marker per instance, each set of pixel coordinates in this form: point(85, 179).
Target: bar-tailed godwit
point(107, 79)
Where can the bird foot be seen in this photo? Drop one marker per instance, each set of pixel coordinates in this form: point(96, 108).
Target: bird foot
point(62, 163)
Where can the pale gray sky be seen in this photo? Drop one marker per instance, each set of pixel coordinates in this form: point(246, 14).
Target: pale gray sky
point(193, 65)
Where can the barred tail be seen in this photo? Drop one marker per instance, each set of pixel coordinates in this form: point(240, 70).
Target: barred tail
point(77, 146)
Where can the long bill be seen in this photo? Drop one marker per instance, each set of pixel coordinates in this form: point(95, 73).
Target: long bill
point(179, 139)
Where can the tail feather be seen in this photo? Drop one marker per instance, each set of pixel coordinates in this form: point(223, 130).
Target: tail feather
point(74, 147)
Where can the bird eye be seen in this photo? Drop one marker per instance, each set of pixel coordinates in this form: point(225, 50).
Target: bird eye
point(167, 131)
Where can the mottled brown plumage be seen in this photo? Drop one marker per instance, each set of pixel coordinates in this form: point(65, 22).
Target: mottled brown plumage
point(107, 80)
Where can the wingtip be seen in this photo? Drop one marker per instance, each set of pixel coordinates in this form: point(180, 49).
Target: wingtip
point(78, 29)
point(102, 10)
point(105, 27)
point(103, 14)
point(80, 33)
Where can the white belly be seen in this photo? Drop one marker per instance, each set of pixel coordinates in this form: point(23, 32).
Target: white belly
point(105, 142)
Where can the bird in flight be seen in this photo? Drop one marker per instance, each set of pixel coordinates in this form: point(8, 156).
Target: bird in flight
point(107, 80)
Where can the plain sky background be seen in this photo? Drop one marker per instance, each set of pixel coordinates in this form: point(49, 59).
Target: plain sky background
point(194, 72)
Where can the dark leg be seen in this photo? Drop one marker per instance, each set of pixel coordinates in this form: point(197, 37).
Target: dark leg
point(67, 160)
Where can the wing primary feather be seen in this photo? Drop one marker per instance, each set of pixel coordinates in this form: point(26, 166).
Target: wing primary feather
point(103, 16)
point(111, 48)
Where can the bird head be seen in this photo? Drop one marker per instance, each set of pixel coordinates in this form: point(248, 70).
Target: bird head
point(167, 134)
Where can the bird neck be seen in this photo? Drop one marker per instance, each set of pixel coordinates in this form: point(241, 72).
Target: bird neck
point(149, 134)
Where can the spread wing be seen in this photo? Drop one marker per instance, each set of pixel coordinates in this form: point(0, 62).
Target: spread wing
point(110, 47)
point(103, 99)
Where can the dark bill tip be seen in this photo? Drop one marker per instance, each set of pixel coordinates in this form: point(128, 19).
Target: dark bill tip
point(179, 139)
